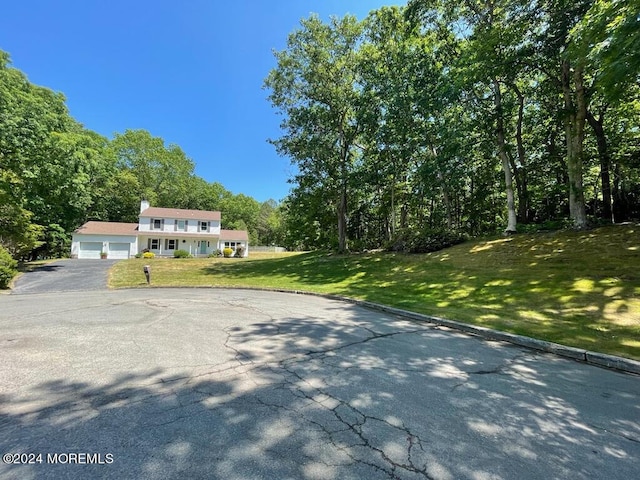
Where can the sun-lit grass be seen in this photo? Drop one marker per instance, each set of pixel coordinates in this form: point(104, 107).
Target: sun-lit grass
point(576, 288)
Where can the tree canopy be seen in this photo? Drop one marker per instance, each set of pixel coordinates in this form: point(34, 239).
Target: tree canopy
point(466, 117)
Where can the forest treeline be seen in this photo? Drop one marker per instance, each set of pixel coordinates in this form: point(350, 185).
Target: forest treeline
point(414, 126)
point(466, 117)
point(55, 175)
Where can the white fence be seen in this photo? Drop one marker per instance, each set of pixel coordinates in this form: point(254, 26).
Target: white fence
point(266, 248)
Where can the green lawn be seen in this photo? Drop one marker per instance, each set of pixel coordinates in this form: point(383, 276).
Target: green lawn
point(575, 288)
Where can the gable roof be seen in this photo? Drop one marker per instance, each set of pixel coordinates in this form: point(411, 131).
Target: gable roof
point(234, 235)
point(180, 213)
point(108, 228)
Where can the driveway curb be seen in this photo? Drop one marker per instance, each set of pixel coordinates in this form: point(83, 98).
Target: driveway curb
point(594, 358)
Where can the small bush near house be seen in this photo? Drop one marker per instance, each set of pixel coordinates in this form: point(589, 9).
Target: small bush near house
point(217, 253)
point(8, 268)
point(181, 254)
point(227, 252)
point(148, 255)
point(239, 252)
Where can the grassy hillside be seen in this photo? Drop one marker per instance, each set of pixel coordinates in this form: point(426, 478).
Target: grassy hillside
point(576, 288)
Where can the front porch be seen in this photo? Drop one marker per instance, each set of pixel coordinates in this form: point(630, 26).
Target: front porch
point(163, 246)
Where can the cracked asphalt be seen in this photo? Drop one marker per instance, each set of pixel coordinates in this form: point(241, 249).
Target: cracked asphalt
point(238, 384)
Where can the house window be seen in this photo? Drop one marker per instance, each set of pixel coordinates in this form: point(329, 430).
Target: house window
point(170, 244)
point(154, 244)
point(230, 245)
point(181, 225)
point(204, 226)
point(156, 224)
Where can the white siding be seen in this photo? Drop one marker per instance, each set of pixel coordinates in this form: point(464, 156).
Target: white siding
point(193, 226)
point(144, 224)
point(215, 227)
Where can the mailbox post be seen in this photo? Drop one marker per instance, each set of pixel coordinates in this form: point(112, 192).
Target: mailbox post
point(147, 273)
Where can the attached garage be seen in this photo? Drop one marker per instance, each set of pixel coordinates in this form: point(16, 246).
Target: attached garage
point(118, 251)
point(117, 240)
point(90, 250)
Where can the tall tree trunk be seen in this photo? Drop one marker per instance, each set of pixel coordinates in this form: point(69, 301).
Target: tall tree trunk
point(597, 124)
point(620, 203)
point(342, 220)
point(520, 174)
point(575, 115)
point(443, 186)
point(342, 201)
point(393, 205)
point(504, 157)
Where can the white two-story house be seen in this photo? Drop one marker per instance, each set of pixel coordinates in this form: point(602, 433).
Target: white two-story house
point(159, 230)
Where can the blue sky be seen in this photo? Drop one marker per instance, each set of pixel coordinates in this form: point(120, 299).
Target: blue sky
point(190, 72)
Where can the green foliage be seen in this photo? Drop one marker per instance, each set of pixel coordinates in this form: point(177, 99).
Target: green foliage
point(608, 38)
point(8, 267)
point(425, 240)
point(216, 254)
point(227, 252)
point(57, 242)
point(18, 235)
point(148, 255)
point(461, 116)
point(163, 173)
point(315, 86)
point(181, 254)
point(270, 224)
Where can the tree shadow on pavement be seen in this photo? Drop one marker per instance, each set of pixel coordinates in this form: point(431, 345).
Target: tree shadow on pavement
point(311, 398)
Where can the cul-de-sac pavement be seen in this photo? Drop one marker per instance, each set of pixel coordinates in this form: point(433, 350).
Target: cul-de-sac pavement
point(238, 384)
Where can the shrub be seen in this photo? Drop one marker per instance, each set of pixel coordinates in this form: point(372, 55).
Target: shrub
point(239, 252)
point(148, 255)
point(425, 241)
point(227, 252)
point(8, 267)
point(181, 254)
point(217, 253)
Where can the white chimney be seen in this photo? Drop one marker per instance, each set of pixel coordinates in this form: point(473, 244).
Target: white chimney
point(144, 204)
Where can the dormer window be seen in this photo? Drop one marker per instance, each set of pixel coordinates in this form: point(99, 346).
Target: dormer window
point(204, 226)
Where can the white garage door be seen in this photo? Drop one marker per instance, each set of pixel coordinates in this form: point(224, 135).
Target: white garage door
point(118, 250)
point(90, 249)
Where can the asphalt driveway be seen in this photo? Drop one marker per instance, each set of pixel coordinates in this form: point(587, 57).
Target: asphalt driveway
point(69, 275)
point(237, 384)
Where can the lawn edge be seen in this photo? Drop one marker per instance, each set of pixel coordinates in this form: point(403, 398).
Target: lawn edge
point(605, 360)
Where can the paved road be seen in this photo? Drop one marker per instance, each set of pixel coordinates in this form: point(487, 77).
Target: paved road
point(232, 384)
point(65, 276)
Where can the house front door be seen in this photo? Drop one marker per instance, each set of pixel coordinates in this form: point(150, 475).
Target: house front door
point(203, 247)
